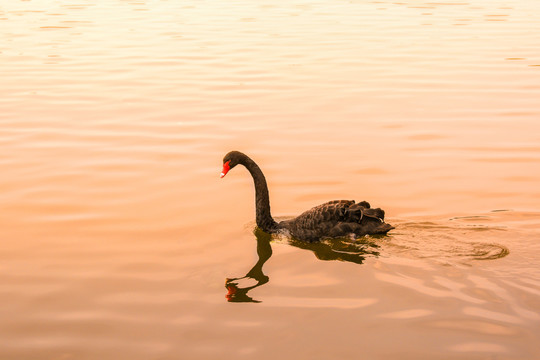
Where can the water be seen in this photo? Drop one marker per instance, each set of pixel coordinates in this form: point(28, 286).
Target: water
point(119, 240)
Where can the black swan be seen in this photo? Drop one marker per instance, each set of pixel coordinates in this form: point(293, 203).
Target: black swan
point(334, 219)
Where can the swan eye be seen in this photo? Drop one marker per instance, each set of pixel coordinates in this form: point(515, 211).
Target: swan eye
point(226, 168)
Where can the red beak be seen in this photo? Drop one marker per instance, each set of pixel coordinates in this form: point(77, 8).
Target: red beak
point(226, 168)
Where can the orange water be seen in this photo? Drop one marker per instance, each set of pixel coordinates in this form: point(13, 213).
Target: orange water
point(118, 235)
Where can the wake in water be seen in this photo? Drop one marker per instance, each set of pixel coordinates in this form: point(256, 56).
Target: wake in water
point(457, 240)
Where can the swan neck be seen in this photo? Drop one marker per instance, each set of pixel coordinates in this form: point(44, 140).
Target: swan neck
point(262, 198)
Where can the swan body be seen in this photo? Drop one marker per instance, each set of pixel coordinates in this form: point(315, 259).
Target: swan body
point(334, 219)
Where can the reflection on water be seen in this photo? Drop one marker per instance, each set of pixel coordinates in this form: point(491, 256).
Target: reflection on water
point(238, 293)
point(441, 241)
point(117, 234)
point(349, 250)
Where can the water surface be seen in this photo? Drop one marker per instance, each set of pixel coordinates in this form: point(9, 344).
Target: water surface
point(119, 240)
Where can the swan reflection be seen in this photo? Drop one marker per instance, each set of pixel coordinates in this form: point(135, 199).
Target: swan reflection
point(348, 250)
point(238, 293)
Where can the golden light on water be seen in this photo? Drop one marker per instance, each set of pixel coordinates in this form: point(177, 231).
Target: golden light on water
point(117, 233)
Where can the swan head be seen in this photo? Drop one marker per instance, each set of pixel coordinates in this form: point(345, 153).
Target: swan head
point(230, 160)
